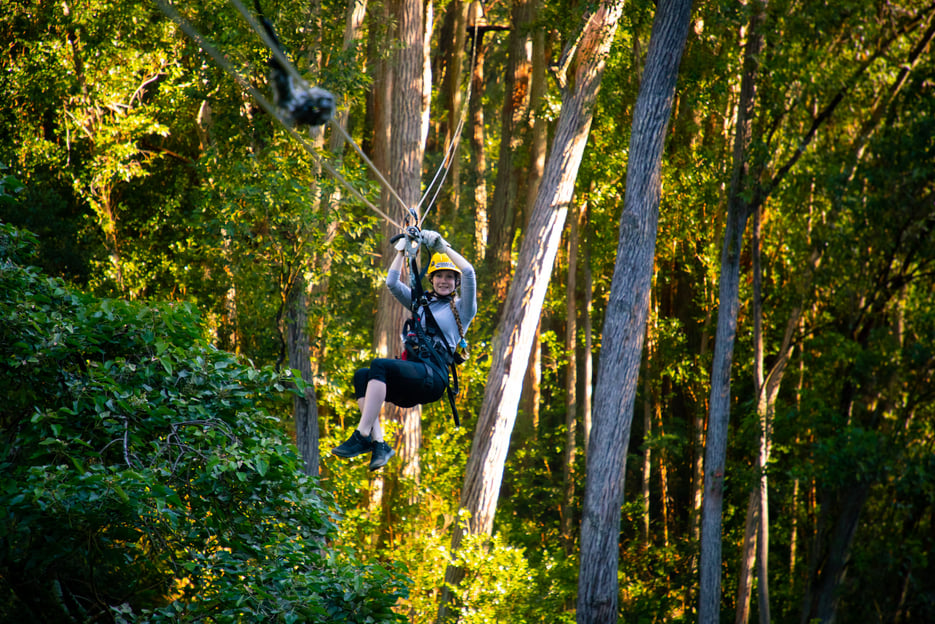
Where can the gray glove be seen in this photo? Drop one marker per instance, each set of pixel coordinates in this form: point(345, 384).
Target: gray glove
point(433, 241)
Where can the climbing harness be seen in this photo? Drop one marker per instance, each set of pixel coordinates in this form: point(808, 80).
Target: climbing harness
point(423, 338)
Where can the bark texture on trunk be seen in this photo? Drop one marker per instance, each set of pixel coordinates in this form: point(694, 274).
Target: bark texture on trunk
point(305, 407)
point(502, 210)
point(625, 319)
point(571, 388)
point(738, 211)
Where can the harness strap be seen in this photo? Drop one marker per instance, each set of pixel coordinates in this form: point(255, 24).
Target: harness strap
point(452, 391)
point(425, 343)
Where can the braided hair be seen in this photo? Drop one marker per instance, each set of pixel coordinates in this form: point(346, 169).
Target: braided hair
point(454, 311)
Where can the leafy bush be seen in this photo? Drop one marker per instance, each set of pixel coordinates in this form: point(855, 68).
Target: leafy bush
point(144, 481)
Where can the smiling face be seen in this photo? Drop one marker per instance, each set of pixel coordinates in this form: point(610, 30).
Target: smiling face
point(444, 282)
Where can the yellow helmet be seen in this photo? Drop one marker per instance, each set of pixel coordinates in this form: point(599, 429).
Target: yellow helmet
point(441, 262)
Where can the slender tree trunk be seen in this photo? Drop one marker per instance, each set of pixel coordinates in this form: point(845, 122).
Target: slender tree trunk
point(305, 407)
point(478, 148)
point(764, 409)
point(538, 130)
point(353, 21)
point(513, 340)
point(427, 23)
point(698, 444)
point(646, 472)
point(515, 108)
point(390, 315)
point(663, 472)
point(747, 560)
point(528, 426)
point(738, 210)
point(588, 381)
point(571, 385)
point(625, 318)
point(453, 93)
point(407, 149)
point(754, 536)
point(796, 486)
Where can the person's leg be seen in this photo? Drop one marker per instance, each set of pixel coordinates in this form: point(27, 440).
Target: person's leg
point(370, 411)
point(403, 383)
point(359, 442)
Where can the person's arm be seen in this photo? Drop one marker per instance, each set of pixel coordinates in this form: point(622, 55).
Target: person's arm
point(467, 306)
point(460, 261)
point(399, 290)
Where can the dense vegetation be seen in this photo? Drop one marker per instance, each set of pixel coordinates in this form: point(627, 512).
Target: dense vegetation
point(148, 470)
point(143, 474)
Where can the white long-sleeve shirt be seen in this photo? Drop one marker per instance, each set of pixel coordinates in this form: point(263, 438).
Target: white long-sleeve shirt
point(466, 303)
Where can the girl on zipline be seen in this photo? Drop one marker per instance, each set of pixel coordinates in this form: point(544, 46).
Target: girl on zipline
point(421, 376)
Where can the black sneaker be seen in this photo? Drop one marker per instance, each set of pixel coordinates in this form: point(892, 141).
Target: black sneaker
point(356, 445)
point(382, 452)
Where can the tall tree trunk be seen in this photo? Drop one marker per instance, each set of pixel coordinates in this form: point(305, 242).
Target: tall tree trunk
point(738, 210)
point(305, 407)
point(646, 472)
point(407, 149)
point(528, 426)
point(753, 548)
point(539, 127)
point(353, 21)
point(478, 147)
point(571, 386)
point(453, 94)
point(537, 130)
point(764, 409)
point(625, 319)
point(497, 416)
point(390, 315)
point(515, 108)
point(663, 470)
point(747, 560)
point(588, 381)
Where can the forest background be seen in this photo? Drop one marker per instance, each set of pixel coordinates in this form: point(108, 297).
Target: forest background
point(180, 224)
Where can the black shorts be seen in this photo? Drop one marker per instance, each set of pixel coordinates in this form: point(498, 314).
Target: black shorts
point(408, 383)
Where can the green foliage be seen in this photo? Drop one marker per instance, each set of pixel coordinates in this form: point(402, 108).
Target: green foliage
point(136, 451)
point(143, 475)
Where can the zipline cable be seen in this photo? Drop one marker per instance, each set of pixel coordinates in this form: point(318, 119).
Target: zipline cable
point(227, 66)
point(347, 137)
